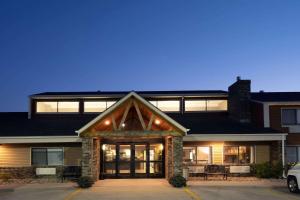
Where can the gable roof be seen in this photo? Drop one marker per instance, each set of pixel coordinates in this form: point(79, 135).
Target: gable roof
point(140, 99)
point(275, 96)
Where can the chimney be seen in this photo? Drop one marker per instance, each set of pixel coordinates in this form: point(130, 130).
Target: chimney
point(239, 100)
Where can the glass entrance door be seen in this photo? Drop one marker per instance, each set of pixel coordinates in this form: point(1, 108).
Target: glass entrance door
point(132, 160)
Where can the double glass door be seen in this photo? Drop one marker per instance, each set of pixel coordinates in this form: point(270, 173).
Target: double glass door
point(126, 160)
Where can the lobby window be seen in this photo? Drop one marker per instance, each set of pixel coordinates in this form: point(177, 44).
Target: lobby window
point(47, 156)
point(205, 105)
point(290, 116)
point(97, 106)
point(197, 155)
point(238, 154)
point(167, 105)
point(57, 107)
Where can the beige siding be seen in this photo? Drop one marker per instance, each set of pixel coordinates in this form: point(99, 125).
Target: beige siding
point(262, 153)
point(72, 156)
point(217, 153)
point(14, 156)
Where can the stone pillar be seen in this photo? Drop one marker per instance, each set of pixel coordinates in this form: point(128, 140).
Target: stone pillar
point(168, 157)
point(87, 157)
point(177, 155)
point(96, 159)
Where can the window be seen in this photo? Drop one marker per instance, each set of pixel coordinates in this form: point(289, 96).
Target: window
point(216, 105)
point(197, 155)
point(54, 106)
point(46, 107)
point(47, 156)
point(205, 105)
point(66, 107)
point(97, 106)
point(238, 154)
point(167, 105)
point(290, 116)
point(195, 105)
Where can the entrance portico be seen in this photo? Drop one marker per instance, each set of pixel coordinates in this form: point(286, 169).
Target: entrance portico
point(132, 139)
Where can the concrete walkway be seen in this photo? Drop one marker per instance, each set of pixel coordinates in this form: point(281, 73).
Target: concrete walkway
point(131, 189)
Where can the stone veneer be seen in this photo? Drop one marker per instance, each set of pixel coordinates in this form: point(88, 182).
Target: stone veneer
point(173, 156)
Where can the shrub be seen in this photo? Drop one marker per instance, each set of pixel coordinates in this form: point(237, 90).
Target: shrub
point(85, 182)
point(177, 181)
point(268, 170)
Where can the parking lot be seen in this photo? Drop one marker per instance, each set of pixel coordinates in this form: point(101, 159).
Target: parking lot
point(146, 189)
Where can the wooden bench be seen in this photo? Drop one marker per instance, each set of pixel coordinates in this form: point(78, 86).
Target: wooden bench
point(71, 172)
point(215, 170)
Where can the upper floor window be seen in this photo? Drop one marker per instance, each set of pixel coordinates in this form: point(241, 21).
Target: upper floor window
point(205, 105)
point(167, 105)
point(57, 107)
point(290, 116)
point(97, 106)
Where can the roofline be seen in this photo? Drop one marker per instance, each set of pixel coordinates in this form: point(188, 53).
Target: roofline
point(113, 107)
point(277, 102)
point(39, 139)
point(236, 137)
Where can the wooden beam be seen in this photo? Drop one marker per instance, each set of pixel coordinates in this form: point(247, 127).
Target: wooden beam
point(150, 122)
point(114, 122)
point(125, 114)
point(139, 114)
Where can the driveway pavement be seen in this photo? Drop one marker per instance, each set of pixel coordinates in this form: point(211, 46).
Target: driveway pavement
point(146, 189)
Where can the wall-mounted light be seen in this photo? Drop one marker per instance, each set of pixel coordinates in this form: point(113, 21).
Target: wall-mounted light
point(161, 147)
point(107, 122)
point(157, 121)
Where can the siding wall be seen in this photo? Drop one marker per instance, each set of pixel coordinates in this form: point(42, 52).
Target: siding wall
point(262, 153)
point(19, 155)
point(217, 154)
point(72, 156)
point(15, 156)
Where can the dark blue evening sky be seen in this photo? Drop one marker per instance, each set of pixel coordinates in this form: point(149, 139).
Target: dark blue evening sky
point(75, 45)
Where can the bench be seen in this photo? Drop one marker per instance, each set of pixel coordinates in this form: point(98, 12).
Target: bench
point(195, 170)
point(215, 170)
point(71, 172)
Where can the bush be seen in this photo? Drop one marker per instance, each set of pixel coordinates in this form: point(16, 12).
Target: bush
point(268, 170)
point(85, 182)
point(177, 181)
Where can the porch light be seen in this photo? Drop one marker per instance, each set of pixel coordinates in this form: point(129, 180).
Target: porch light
point(123, 125)
point(107, 122)
point(161, 147)
point(157, 122)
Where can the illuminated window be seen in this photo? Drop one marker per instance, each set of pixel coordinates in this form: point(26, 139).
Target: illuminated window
point(197, 155)
point(195, 105)
point(216, 105)
point(46, 107)
point(238, 154)
point(167, 105)
point(97, 106)
point(54, 107)
point(66, 107)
